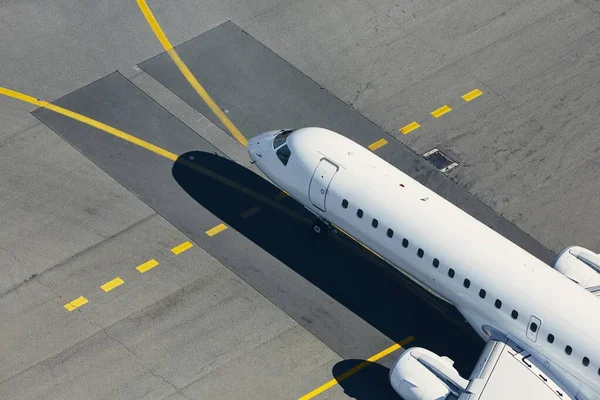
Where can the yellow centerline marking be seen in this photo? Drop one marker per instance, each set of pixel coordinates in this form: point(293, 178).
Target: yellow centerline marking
point(164, 41)
point(281, 195)
point(441, 111)
point(217, 229)
point(110, 285)
point(147, 266)
point(473, 94)
point(78, 302)
point(409, 128)
point(92, 122)
point(380, 143)
point(181, 248)
point(354, 370)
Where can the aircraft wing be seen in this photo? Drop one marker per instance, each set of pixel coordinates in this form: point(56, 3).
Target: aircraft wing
point(504, 371)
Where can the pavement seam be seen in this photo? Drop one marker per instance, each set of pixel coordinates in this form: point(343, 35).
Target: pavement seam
point(135, 356)
point(70, 258)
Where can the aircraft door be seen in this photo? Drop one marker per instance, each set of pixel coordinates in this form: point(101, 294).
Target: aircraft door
point(533, 327)
point(319, 183)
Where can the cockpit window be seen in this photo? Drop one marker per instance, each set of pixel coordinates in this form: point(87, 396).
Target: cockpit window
point(281, 138)
point(284, 154)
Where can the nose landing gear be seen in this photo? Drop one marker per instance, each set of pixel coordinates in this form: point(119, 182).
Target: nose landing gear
point(321, 225)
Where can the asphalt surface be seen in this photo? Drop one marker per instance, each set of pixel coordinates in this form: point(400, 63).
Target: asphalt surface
point(264, 309)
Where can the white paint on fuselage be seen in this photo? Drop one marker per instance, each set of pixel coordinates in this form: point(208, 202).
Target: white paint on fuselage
point(475, 252)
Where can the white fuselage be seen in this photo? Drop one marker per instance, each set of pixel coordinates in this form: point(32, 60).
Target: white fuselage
point(468, 253)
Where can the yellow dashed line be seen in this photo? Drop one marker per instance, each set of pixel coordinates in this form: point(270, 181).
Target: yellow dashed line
point(409, 128)
point(78, 302)
point(473, 94)
point(354, 370)
point(250, 212)
point(281, 195)
point(217, 229)
point(441, 111)
point(110, 285)
point(181, 248)
point(380, 143)
point(164, 41)
point(147, 266)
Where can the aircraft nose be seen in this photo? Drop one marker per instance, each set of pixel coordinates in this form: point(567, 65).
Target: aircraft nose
point(259, 143)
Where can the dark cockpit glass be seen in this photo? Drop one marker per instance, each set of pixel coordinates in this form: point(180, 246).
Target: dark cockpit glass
point(281, 138)
point(284, 153)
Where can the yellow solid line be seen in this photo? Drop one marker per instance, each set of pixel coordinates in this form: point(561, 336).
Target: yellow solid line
point(354, 370)
point(250, 212)
point(380, 143)
point(148, 265)
point(92, 122)
point(281, 195)
point(409, 128)
point(110, 285)
point(78, 302)
point(155, 149)
point(181, 248)
point(473, 94)
point(441, 111)
point(188, 74)
point(217, 229)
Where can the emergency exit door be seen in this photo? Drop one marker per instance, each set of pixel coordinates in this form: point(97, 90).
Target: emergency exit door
point(533, 327)
point(319, 183)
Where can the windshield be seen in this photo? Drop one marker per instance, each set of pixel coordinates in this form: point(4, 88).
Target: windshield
point(284, 153)
point(281, 138)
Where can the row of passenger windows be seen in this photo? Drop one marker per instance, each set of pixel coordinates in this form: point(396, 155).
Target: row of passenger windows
point(466, 283)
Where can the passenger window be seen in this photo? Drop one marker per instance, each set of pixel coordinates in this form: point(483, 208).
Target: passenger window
point(284, 153)
point(345, 203)
point(359, 213)
point(514, 314)
point(498, 304)
point(482, 294)
point(568, 350)
point(451, 273)
point(420, 253)
point(405, 243)
point(467, 283)
point(374, 223)
point(281, 138)
point(390, 233)
point(533, 326)
point(436, 262)
point(550, 338)
point(585, 361)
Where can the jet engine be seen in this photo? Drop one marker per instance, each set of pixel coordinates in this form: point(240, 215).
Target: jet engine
point(581, 266)
point(419, 374)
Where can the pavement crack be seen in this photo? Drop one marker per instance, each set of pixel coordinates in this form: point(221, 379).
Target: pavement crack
point(135, 356)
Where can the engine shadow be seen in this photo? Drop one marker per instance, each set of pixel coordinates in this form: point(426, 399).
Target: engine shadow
point(337, 265)
point(371, 382)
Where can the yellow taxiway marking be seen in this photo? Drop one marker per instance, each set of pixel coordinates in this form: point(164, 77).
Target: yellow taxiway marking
point(354, 370)
point(147, 266)
point(217, 229)
point(164, 41)
point(380, 143)
point(250, 212)
point(110, 285)
point(441, 111)
point(281, 195)
point(409, 128)
point(473, 94)
point(92, 122)
point(181, 248)
point(78, 302)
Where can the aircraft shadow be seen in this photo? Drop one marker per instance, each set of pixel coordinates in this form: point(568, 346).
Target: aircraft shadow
point(351, 275)
point(371, 382)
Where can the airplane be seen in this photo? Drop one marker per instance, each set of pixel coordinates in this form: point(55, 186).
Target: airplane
point(540, 322)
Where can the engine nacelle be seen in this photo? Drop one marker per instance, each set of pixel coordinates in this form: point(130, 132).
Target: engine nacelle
point(419, 374)
point(580, 265)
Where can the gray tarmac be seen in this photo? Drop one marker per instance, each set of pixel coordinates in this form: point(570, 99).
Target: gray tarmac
point(264, 309)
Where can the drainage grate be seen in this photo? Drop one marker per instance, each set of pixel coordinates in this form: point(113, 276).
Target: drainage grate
point(440, 160)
